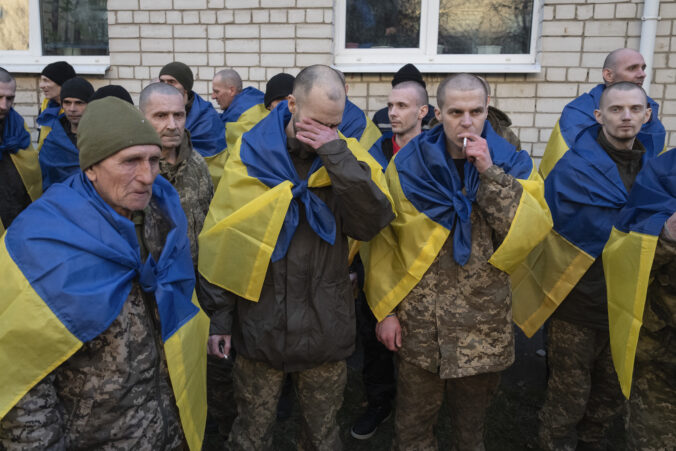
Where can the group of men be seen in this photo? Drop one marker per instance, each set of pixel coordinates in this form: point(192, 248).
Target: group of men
point(269, 215)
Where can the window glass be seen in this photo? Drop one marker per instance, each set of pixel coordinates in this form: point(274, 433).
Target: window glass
point(74, 27)
point(14, 25)
point(485, 26)
point(383, 23)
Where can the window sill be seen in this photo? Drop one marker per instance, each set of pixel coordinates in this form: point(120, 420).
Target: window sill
point(479, 68)
point(26, 64)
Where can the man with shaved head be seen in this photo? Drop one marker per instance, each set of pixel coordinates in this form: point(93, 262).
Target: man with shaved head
point(437, 278)
point(585, 192)
point(20, 181)
point(274, 259)
point(620, 65)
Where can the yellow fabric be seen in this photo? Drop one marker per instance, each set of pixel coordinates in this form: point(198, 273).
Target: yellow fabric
point(531, 223)
point(544, 279)
point(186, 353)
point(245, 218)
point(370, 135)
point(29, 333)
point(556, 148)
point(215, 164)
point(28, 166)
point(398, 257)
point(627, 261)
point(245, 122)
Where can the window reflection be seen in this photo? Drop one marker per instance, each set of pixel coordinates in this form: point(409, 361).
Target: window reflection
point(383, 23)
point(74, 27)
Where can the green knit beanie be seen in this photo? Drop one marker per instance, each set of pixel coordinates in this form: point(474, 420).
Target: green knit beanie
point(181, 73)
point(109, 125)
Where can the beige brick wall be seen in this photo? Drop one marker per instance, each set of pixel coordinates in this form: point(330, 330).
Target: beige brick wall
point(260, 38)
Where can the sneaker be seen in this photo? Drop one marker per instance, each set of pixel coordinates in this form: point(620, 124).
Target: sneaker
point(367, 425)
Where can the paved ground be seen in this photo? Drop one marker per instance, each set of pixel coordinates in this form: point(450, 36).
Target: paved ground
point(511, 423)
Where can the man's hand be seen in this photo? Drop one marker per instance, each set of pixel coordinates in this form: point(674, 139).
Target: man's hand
point(388, 332)
point(219, 345)
point(477, 151)
point(314, 134)
point(670, 227)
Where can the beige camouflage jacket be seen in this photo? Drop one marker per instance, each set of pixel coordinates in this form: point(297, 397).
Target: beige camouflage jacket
point(114, 393)
point(457, 321)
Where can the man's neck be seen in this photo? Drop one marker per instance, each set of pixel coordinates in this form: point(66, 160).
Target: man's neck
point(454, 151)
point(403, 138)
point(170, 154)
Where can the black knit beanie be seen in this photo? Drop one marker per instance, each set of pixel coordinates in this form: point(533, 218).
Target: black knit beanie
point(112, 91)
point(77, 88)
point(58, 72)
point(408, 73)
point(278, 87)
point(181, 73)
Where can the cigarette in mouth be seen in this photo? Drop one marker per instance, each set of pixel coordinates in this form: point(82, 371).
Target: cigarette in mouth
point(464, 143)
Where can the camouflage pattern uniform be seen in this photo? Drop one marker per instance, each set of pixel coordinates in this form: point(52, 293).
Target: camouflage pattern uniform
point(457, 324)
point(651, 422)
point(320, 395)
point(114, 393)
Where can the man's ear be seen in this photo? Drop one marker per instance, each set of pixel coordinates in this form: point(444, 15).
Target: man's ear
point(423, 111)
point(292, 104)
point(608, 76)
point(437, 114)
point(488, 100)
point(598, 116)
point(648, 113)
point(91, 174)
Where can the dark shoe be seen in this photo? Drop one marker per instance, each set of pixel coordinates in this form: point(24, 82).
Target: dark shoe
point(367, 425)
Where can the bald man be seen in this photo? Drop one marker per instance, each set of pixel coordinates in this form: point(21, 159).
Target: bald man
point(620, 65)
point(436, 277)
point(292, 192)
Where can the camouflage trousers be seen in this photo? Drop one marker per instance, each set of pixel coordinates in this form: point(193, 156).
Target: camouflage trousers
point(583, 394)
point(420, 394)
point(651, 420)
point(257, 390)
point(220, 393)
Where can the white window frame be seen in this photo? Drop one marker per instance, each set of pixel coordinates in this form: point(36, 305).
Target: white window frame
point(32, 61)
point(426, 58)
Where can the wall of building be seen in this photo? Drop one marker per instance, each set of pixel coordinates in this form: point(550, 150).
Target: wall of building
point(260, 38)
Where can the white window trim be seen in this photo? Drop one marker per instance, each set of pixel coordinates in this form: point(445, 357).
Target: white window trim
point(425, 58)
point(32, 61)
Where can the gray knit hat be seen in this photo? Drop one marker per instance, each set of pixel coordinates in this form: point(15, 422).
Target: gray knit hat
point(181, 73)
point(109, 125)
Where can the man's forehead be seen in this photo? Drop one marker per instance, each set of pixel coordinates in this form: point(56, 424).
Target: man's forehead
point(73, 100)
point(630, 58)
point(165, 102)
point(7, 89)
point(464, 97)
point(619, 97)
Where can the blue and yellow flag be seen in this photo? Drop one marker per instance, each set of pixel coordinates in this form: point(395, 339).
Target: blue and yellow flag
point(578, 116)
point(16, 144)
point(376, 152)
point(584, 193)
point(48, 111)
point(628, 258)
point(207, 135)
point(355, 124)
point(255, 210)
point(430, 200)
point(59, 157)
point(69, 261)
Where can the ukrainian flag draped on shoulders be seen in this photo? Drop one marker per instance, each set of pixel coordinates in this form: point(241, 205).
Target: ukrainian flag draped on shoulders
point(69, 261)
point(356, 124)
point(430, 202)
point(585, 193)
point(255, 209)
point(376, 152)
point(628, 258)
point(49, 110)
point(16, 144)
point(578, 116)
point(207, 135)
point(246, 110)
point(59, 157)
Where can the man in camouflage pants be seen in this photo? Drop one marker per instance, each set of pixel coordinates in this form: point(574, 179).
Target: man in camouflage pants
point(453, 330)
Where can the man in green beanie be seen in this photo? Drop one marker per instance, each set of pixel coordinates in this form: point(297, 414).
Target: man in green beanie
point(207, 133)
point(107, 349)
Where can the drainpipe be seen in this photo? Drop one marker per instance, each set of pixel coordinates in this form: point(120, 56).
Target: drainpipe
point(651, 9)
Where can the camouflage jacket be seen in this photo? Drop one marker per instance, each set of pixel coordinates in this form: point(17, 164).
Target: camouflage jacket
point(658, 334)
point(190, 176)
point(113, 393)
point(457, 321)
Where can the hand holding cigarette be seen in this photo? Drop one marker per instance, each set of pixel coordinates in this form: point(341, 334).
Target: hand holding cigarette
point(475, 148)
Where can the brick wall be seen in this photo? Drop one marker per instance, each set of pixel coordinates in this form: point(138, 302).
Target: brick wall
point(260, 38)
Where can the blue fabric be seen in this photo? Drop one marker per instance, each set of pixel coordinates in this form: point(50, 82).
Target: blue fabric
point(430, 181)
point(207, 132)
point(353, 123)
point(59, 158)
point(653, 197)
point(585, 193)
point(50, 113)
point(376, 152)
point(15, 137)
point(264, 153)
point(94, 257)
point(243, 101)
point(578, 116)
